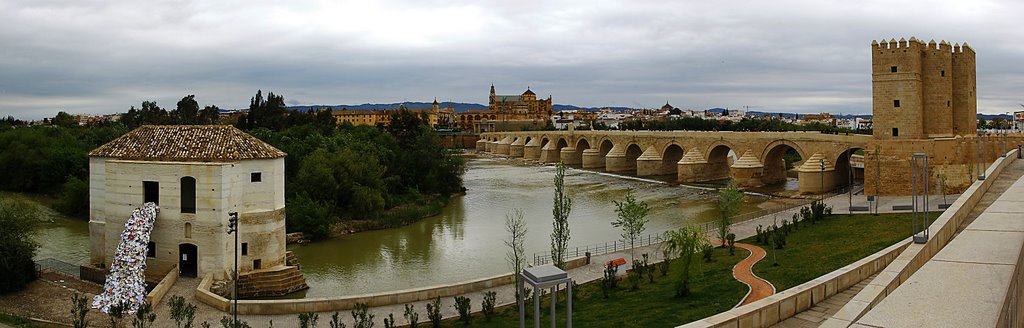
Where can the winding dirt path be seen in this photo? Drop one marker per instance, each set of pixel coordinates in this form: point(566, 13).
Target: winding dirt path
point(759, 288)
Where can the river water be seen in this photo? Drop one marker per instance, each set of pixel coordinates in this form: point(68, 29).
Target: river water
point(466, 240)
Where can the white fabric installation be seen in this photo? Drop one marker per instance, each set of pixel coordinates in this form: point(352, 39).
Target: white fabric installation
point(126, 282)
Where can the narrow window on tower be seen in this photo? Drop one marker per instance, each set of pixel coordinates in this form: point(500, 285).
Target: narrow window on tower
point(896, 103)
point(942, 73)
point(893, 69)
point(895, 132)
point(947, 103)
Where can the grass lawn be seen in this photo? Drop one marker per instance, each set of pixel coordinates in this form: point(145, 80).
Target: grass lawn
point(834, 242)
point(653, 305)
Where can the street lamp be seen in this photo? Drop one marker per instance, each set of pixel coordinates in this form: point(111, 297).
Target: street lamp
point(822, 163)
point(233, 230)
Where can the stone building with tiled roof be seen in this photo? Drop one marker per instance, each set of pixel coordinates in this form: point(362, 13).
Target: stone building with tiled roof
point(197, 175)
point(508, 113)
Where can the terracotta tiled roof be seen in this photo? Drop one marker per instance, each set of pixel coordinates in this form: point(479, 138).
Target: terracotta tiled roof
point(189, 143)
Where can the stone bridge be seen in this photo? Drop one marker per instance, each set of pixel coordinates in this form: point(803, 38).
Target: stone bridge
point(750, 159)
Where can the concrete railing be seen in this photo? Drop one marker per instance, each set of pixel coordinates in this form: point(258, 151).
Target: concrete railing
point(916, 255)
point(773, 309)
point(327, 304)
point(163, 286)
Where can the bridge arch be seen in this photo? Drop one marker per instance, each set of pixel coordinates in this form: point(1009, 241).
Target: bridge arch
point(605, 146)
point(670, 156)
point(844, 166)
point(633, 152)
point(718, 157)
point(778, 157)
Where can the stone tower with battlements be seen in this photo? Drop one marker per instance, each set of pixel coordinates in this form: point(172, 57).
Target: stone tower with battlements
point(922, 90)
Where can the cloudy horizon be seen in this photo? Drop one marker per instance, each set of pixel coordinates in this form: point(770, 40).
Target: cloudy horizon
point(102, 57)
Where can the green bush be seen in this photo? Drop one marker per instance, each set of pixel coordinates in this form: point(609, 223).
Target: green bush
point(462, 304)
point(434, 312)
point(17, 248)
point(487, 306)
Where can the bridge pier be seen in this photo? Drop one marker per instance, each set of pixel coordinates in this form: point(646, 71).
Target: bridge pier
point(747, 171)
point(691, 167)
point(811, 175)
point(502, 147)
point(592, 158)
point(491, 146)
point(616, 161)
point(569, 156)
point(549, 154)
point(649, 163)
point(532, 149)
point(481, 145)
point(516, 148)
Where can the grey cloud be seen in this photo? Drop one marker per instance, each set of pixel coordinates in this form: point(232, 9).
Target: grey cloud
point(102, 57)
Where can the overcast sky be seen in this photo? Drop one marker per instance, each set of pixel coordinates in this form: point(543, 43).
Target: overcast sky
point(105, 56)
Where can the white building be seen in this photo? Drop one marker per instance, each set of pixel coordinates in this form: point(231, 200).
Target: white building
point(197, 175)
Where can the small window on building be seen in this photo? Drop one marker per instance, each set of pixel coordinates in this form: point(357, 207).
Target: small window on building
point(256, 264)
point(245, 248)
point(188, 195)
point(895, 132)
point(256, 177)
point(188, 229)
point(893, 69)
point(151, 249)
point(942, 73)
point(947, 103)
point(896, 103)
point(151, 192)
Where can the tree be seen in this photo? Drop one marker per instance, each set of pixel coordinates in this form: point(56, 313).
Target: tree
point(632, 219)
point(74, 198)
point(18, 220)
point(63, 119)
point(560, 224)
point(515, 225)
point(729, 200)
point(187, 111)
point(684, 243)
point(209, 115)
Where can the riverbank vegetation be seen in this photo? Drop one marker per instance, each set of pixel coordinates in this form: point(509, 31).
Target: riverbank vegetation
point(17, 248)
point(359, 177)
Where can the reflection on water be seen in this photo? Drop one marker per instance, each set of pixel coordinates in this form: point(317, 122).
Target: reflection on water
point(466, 240)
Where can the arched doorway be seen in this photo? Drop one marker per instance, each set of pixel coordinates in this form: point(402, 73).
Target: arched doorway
point(188, 260)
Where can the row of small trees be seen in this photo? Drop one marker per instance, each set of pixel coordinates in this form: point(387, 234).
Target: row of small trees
point(184, 314)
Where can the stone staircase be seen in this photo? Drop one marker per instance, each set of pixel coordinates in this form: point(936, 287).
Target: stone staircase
point(276, 281)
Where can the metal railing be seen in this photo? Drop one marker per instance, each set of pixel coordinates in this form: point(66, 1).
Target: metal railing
point(599, 249)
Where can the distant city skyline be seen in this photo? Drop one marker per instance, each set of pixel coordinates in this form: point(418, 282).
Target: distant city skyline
point(788, 56)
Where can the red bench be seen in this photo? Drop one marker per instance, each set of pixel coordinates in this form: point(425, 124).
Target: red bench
point(617, 262)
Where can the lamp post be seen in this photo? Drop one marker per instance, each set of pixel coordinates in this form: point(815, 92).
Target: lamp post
point(822, 163)
point(233, 230)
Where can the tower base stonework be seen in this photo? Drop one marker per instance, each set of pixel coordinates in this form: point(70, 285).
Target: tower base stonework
point(953, 162)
